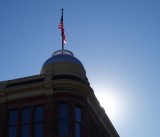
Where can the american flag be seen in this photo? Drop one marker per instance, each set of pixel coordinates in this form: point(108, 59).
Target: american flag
point(62, 30)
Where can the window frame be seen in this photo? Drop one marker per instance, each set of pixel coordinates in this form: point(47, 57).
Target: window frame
point(64, 120)
point(10, 125)
point(24, 124)
point(36, 122)
point(78, 122)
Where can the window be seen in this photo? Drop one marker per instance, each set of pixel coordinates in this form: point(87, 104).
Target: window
point(12, 125)
point(63, 119)
point(25, 122)
point(21, 120)
point(38, 121)
point(78, 123)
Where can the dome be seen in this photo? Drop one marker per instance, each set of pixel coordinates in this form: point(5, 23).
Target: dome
point(63, 56)
point(63, 62)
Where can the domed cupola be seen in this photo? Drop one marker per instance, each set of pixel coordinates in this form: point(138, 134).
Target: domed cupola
point(63, 63)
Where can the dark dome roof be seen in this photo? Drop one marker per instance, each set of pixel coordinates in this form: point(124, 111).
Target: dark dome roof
point(62, 56)
point(63, 63)
point(62, 59)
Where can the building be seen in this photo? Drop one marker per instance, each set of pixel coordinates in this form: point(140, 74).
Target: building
point(58, 102)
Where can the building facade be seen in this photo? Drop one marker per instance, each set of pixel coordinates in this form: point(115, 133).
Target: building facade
point(58, 102)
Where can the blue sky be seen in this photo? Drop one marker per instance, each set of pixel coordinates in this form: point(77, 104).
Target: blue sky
point(118, 42)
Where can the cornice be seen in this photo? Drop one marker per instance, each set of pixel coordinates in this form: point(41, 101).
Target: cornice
point(22, 79)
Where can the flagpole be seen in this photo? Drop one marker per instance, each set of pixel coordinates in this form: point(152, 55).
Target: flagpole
point(61, 33)
point(61, 27)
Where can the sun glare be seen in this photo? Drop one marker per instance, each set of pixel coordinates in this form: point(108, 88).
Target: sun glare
point(110, 102)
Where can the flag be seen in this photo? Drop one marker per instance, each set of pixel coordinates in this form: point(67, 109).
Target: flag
point(62, 29)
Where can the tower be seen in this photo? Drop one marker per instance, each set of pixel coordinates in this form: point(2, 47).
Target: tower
point(58, 102)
